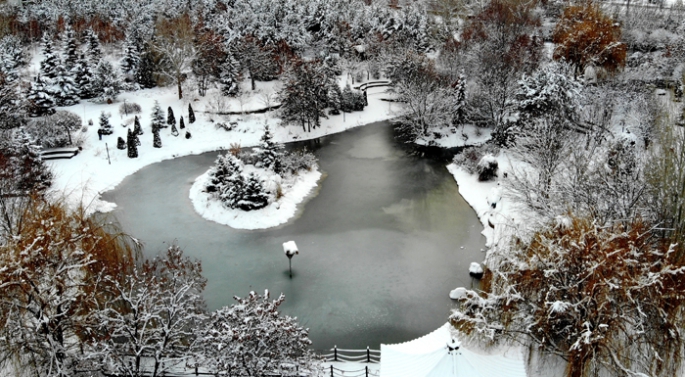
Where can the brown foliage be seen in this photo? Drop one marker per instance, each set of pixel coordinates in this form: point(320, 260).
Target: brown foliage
point(602, 297)
point(586, 36)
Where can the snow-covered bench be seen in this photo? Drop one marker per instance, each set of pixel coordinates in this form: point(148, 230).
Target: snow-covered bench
point(58, 153)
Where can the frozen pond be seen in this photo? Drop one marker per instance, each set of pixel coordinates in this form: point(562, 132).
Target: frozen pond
point(381, 244)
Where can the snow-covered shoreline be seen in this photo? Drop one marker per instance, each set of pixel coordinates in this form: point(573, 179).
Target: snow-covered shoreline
point(296, 190)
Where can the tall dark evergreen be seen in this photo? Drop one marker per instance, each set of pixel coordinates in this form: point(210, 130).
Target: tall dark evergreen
point(459, 101)
point(12, 57)
point(174, 130)
point(64, 89)
point(70, 53)
point(156, 139)
point(146, 68)
point(121, 144)
point(41, 101)
point(132, 144)
point(229, 76)
point(181, 124)
point(137, 129)
point(226, 180)
point(106, 82)
point(94, 51)
point(188, 135)
point(191, 114)
point(157, 122)
point(131, 59)
point(83, 77)
point(170, 118)
point(105, 126)
point(50, 61)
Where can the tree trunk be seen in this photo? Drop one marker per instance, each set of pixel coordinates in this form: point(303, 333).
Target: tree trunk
point(180, 88)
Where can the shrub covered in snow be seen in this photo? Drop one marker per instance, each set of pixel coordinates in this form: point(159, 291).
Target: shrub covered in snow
point(127, 108)
point(293, 162)
point(54, 131)
point(469, 158)
point(487, 168)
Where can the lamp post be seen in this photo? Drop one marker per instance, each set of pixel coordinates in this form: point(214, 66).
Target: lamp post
point(290, 249)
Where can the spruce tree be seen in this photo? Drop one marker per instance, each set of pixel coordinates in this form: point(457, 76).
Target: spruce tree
point(268, 154)
point(347, 99)
point(335, 99)
point(146, 68)
point(40, 98)
point(93, 49)
point(106, 82)
point(137, 129)
point(181, 124)
point(191, 114)
point(121, 144)
point(170, 119)
point(174, 131)
point(229, 77)
point(50, 61)
point(156, 139)
point(253, 196)
point(64, 89)
point(105, 126)
point(157, 117)
point(70, 49)
point(226, 180)
point(12, 57)
point(459, 101)
point(83, 76)
point(131, 59)
point(132, 142)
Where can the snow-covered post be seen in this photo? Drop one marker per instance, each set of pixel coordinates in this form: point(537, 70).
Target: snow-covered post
point(290, 249)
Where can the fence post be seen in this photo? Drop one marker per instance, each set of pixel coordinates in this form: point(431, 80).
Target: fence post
point(335, 354)
point(367, 370)
point(331, 370)
point(368, 355)
point(196, 371)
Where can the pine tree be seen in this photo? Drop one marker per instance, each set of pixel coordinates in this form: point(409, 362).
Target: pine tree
point(174, 131)
point(137, 130)
point(157, 117)
point(105, 126)
point(459, 101)
point(40, 99)
point(268, 154)
point(50, 60)
point(253, 196)
point(64, 89)
point(170, 119)
point(191, 114)
point(121, 144)
point(156, 139)
point(131, 59)
point(132, 142)
point(70, 50)
point(146, 68)
point(11, 57)
point(229, 77)
point(83, 78)
point(347, 99)
point(335, 98)
point(188, 135)
point(106, 82)
point(93, 48)
point(181, 124)
point(226, 180)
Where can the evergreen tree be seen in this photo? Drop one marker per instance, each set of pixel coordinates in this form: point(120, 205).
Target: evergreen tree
point(226, 180)
point(105, 126)
point(157, 117)
point(131, 59)
point(335, 98)
point(64, 89)
point(181, 124)
point(50, 61)
point(83, 78)
point(146, 67)
point(347, 99)
point(174, 131)
point(170, 118)
point(137, 129)
point(121, 144)
point(156, 139)
point(191, 114)
point(188, 135)
point(253, 196)
point(132, 142)
point(459, 101)
point(70, 50)
point(268, 154)
point(22, 163)
point(40, 98)
point(93, 48)
point(11, 57)
point(229, 77)
point(106, 82)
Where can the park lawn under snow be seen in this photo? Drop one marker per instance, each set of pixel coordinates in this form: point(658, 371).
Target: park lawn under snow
point(82, 179)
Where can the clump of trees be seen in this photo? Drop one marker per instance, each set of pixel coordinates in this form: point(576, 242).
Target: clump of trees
point(604, 298)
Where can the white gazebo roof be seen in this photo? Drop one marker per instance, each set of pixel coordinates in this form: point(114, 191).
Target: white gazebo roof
point(430, 356)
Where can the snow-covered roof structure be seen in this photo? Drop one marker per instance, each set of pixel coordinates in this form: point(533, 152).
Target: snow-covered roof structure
point(439, 354)
point(290, 248)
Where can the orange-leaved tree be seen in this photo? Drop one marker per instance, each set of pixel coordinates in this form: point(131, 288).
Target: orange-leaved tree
point(585, 36)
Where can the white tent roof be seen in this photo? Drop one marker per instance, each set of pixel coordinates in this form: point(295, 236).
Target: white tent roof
point(429, 356)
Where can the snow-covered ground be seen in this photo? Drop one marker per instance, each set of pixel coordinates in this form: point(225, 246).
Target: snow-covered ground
point(466, 135)
point(101, 166)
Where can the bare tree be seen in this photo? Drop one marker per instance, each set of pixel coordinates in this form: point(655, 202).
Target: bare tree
point(174, 42)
